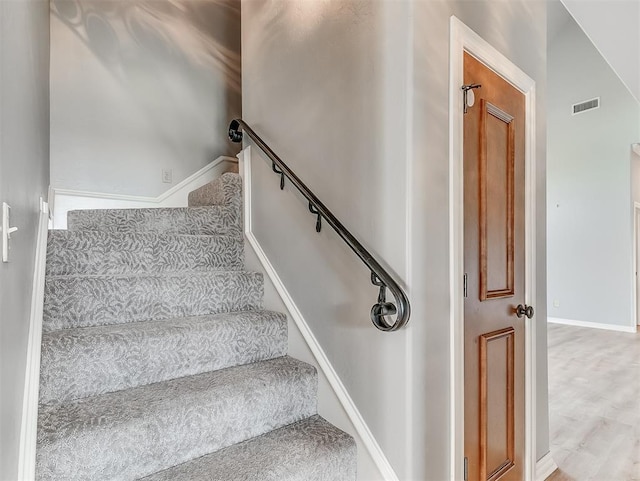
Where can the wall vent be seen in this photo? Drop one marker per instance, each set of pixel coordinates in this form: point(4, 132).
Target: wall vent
point(586, 105)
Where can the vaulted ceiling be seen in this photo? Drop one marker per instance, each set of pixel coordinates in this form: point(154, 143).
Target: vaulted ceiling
point(613, 26)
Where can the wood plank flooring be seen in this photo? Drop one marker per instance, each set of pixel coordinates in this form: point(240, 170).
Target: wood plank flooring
point(594, 404)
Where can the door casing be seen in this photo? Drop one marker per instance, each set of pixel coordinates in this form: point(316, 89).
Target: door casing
point(462, 39)
point(636, 258)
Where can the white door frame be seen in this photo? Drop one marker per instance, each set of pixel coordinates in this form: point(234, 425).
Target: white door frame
point(462, 39)
point(636, 212)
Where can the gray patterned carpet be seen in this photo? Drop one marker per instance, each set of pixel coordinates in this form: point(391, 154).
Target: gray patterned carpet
point(159, 362)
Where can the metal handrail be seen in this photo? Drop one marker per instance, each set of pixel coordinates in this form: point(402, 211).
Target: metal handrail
point(379, 276)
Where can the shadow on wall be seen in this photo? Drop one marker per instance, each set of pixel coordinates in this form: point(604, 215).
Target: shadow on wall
point(124, 34)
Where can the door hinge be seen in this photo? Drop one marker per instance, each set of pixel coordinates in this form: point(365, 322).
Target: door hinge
point(464, 285)
point(466, 469)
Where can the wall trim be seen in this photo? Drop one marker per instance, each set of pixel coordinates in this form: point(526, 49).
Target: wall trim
point(461, 39)
point(592, 325)
point(545, 467)
point(29, 424)
point(324, 364)
point(64, 200)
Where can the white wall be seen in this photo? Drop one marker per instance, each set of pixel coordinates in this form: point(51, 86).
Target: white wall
point(614, 28)
point(590, 218)
point(354, 96)
point(138, 87)
point(24, 177)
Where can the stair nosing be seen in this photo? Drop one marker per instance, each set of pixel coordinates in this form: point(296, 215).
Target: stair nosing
point(54, 408)
point(55, 232)
point(264, 337)
point(134, 324)
point(203, 463)
point(177, 274)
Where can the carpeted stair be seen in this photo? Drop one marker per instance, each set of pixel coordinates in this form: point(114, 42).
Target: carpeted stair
point(159, 362)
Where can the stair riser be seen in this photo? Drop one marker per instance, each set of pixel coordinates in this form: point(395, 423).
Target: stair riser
point(94, 252)
point(310, 450)
point(92, 301)
point(84, 362)
point(227, 189)
point(213, 220)
point(173, 427)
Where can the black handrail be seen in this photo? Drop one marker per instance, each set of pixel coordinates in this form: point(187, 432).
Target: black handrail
point(379, 276)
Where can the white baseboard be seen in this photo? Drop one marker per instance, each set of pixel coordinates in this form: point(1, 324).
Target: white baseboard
point(29, 425)
point(363, 431)
point(592, 325)
point(65, 200)
point(545, 467)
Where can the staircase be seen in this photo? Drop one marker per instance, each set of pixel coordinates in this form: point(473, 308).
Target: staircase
point(159, 362)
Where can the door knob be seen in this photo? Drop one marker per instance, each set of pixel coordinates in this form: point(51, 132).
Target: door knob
point(524, 311)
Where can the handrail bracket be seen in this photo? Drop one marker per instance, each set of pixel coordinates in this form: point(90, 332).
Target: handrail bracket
point(313, 210)
point(280, 173)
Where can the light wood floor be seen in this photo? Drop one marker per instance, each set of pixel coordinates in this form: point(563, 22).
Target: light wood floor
point(594, 404)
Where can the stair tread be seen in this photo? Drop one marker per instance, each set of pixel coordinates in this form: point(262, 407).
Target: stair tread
point(143, 234)
point(152, 275)
point(85, 300)
point(211, 220)
point(139, 431)
point(309, 450)
point(152, 210)
point(81, 362)
point(97, 252)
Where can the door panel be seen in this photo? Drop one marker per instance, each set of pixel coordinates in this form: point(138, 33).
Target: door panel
point(497, 413)
point(496, 157)
point(494, 141)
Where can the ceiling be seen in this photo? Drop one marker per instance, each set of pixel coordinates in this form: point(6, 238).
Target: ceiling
point(613, 26)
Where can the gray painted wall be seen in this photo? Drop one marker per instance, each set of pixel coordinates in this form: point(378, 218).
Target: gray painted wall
point(319, 84)
point(140, 86)
point(24, 178)
point(590, 217)
point(351, 94)
point(518, 30)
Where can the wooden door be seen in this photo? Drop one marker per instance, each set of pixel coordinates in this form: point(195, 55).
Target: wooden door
point(494, 264)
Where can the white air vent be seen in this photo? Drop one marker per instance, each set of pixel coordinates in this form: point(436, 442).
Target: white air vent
point(586, 105)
